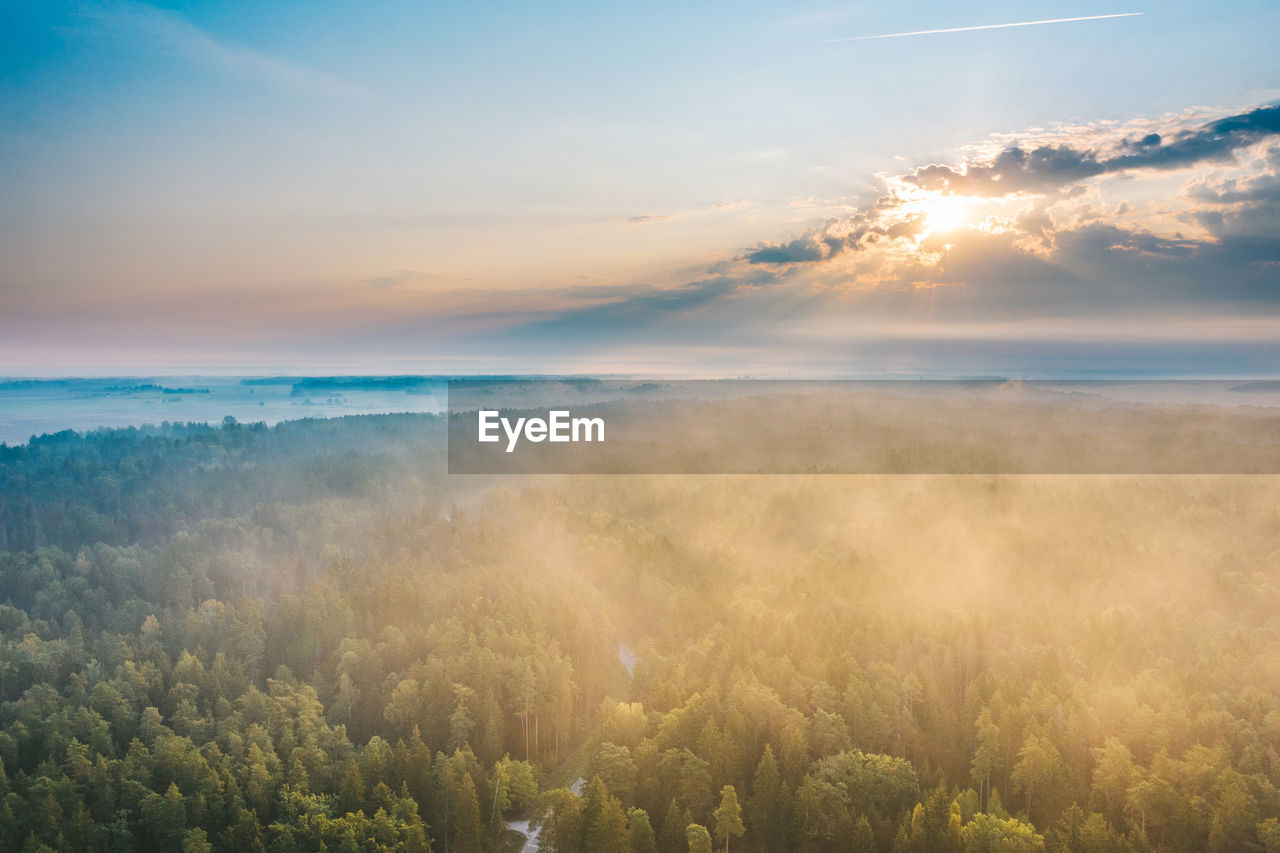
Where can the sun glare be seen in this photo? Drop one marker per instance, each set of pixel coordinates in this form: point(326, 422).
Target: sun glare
point(944, 213)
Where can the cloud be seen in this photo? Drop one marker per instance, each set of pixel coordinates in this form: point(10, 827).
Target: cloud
point(175, 35)
point(1050, 167)
point(862, 230)
point(798, 251)
point(652, 218)
point(639, 308)
point(1103, 230)
point(401, 279)
point(1046, 196)
point(1235, 206)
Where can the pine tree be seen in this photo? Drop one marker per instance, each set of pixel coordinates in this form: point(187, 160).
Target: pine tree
point(728, 816)
point(671, 838)
point(608, 831)
point(640, 832)
point(986, 756)
point(766, 812)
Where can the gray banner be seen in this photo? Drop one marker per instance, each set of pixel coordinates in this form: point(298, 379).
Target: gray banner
point(636, 426)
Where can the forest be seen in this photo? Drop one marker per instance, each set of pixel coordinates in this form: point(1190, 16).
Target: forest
point(311, 637)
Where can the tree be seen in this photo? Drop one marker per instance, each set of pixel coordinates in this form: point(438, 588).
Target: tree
point(671, 837)
point(698, 837)
point(196, 840)
point(461, 724)
point(1112, 775)
point(1097, 836)
point(417, 770)
point(562, 827)
point(1235, 817)
point(1151, 804)
point(1269, 835)
point(930, 829)
point(166, 817)
point(863, 839)
point(617, 770)
point(690, 778)
point(989, 834)
point(594, 798)
point(403, 708)
point(608, 830)
point(467, 830)
point(351, 793)
point(767, 809)
point(728, 816)
point(514, 785)
point(640, 832)
point(1039, 767)
point(822, 813)
point(986, 756)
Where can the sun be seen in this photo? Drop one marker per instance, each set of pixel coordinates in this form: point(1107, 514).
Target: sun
point(944, 213)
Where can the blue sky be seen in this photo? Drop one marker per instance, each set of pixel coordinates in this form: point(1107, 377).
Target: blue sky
point(599, 186)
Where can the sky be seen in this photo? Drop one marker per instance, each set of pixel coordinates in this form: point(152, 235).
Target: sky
point(685, 189)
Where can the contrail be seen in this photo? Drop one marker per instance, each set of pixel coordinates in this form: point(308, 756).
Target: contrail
point(971, 29)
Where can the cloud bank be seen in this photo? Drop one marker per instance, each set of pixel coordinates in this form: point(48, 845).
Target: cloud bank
point(1050, 167)
point(1126, 227)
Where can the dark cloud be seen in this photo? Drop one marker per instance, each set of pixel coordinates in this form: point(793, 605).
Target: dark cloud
point(636, 308)
point(1098, 270)
point(1097, 267)
point(1049, 167)
point(1140, 270)
point(1061, 257)
point(835, 236)
point(797, 251)
point(1215, 141)
point(1098, 238)
point(1013, 170)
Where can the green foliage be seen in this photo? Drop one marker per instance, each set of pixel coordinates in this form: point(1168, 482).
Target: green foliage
point(225, 639)
point(931, 828)
point(990, 834)
point(562, 827)
point(698, 838)
point(768, 813)
point(615, 767)
point(640, 835)
point(728, 816)
point(607, 829)
point(1039, 769)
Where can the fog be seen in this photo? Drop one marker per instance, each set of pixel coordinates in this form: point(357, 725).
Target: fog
point(276, 638)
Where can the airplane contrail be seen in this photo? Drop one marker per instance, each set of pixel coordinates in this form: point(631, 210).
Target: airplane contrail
point(971, 29)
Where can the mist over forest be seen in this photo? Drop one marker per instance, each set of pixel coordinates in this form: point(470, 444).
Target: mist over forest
point(832, 427)
point(310, 637)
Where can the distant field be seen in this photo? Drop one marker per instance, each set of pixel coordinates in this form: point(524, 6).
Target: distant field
point(35, 407)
